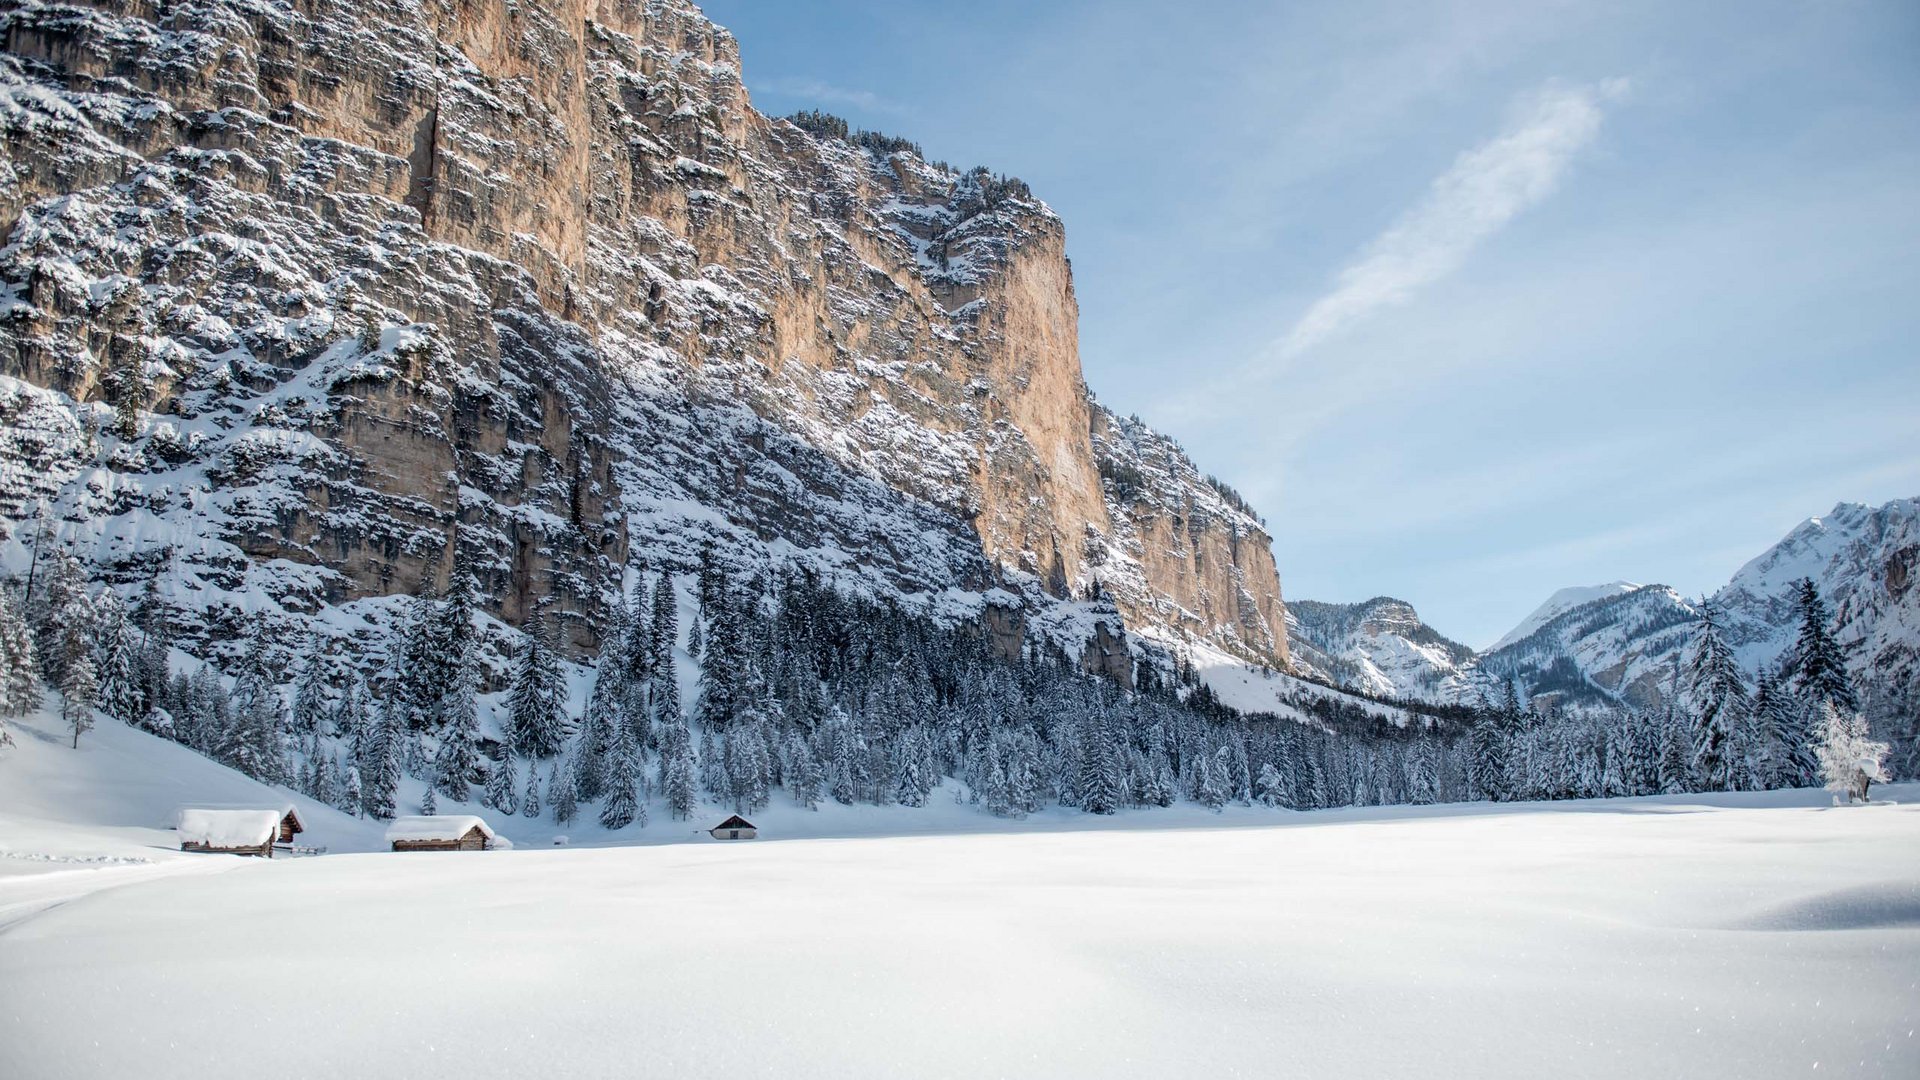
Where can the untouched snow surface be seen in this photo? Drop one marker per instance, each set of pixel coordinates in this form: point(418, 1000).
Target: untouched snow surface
point(1623, 938)
point(1752, 935)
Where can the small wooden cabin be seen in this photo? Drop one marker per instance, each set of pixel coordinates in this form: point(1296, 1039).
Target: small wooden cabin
point(289, 816)
point(229, 832)
point(454, 832)
point(734, 828)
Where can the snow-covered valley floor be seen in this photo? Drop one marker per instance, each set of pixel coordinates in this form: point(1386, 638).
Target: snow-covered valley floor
point(1767, 936)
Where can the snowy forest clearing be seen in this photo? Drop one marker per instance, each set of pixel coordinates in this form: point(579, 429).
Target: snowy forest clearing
point(1659, 937)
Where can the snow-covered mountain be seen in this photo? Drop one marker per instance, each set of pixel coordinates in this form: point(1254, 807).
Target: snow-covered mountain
point(1619, 647)
point(1570, 597)
point(1628, 645)
point(1379, 647)
point(1623, 643)
point(298, 300)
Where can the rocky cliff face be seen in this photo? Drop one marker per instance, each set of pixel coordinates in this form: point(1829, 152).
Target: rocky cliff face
point(299, 297)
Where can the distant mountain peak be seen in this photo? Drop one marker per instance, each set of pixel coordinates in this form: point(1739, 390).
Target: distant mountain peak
point(1566, 599)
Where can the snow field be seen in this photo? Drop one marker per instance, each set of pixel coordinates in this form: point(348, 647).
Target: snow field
point(1624, 938)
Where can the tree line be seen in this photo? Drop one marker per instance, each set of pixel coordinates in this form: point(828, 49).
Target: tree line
point(802, 689)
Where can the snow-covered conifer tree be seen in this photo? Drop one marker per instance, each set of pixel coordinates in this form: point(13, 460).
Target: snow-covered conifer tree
point(310, 705)
point(19, 667)
point(458, 759)
point(806, 782)
point(378, 766)
point(624, 805)
point(677, 772)
point(563, 794)
point(530, 799)
point(502, 779)
point(1271, 787)
point(536, 702)
point(79, 691)
point(117, 660)
point(1818, 664)
point(1676, 754)
point(1212, 790)
point(1717, 693)
point(665, 628)
point(353, 796)
point(1786, 721)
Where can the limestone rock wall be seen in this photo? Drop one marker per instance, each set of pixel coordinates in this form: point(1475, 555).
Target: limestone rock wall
point(301, 295)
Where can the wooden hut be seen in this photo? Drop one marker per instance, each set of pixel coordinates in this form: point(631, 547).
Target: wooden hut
point(734, 828)
point(229, 832)
point(454, 832)
point(289, 815)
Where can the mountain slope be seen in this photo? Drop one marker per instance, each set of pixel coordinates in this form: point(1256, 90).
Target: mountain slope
point(1379, 647)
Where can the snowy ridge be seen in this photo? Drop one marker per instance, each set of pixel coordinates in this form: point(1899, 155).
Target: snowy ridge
point(1570, 597)
point(1379, 647)
point(1629, 646)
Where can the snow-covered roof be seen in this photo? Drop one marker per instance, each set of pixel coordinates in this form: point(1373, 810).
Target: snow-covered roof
point(281, 807)
point(438, 827)
point(228, 828)
point(735, 822)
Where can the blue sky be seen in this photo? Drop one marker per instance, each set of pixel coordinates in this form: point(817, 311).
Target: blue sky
point(1472, 300)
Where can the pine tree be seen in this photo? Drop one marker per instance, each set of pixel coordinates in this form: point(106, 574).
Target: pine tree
point(1676, 755)
point(1849, 760)
point(1423, 774)
point(1720, 702)
point(428, 804)
point(806, 782)
point(350, 716)
point(458, 759)
point(530, 799)
point(116, 659)
point(378, 766)
point(665, 627)
point(501, 781)
point(1818, 664)
point(536, 702)
point(678, 770)
point(79, 691)
point(588, 762)
point(1100, 782)
point(310, 705)
point(353, 796)
point(1271, 787)
point(623, 805)
point(565, 797)
point(1487, 768)
point(1212, 790)
point(19, 667)
point(721, 665)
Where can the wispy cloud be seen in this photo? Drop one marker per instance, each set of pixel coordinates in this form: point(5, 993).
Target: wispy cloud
point(1486, 188)
point(818, 93)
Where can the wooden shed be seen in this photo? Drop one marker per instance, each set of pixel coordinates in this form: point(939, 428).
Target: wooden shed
point(734, 828)
point(289, 815)
point(454, 832)
point(228, 832)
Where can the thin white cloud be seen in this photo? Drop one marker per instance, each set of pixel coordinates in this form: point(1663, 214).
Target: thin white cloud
point(818, 93)
point(1486, 188)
